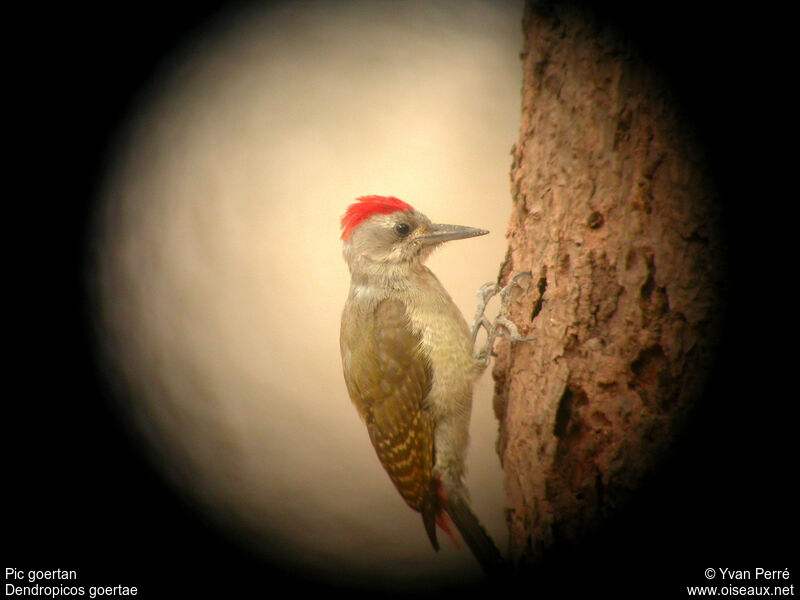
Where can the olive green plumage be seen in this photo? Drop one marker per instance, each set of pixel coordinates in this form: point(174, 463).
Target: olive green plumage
point(388, 387)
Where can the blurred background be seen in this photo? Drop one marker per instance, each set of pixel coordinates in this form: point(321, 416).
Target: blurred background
point(175, 175)
point(219, 267)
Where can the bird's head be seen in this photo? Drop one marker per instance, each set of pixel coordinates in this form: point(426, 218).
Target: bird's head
point(383, 229)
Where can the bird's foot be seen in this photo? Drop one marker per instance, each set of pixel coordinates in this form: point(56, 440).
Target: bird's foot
point(501, 326)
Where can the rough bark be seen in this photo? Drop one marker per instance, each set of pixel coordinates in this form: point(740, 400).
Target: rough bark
point(616, 220)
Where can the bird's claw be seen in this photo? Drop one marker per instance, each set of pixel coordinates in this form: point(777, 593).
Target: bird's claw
point(501, 326)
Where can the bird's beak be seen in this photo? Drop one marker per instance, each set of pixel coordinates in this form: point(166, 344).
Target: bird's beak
point(445, 233)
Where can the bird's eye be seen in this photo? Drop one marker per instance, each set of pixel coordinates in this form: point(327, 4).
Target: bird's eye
point(402, 229)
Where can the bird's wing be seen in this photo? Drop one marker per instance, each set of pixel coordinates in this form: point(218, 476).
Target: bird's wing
point(388, 379)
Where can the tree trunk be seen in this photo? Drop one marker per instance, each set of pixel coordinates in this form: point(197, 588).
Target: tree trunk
point(615, 218)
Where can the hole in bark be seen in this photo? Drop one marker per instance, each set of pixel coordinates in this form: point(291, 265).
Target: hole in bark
point(563, 413)
point(570, 399)
point(649, 363)
point(537, 306)
point(595, 221)
point(652, 378)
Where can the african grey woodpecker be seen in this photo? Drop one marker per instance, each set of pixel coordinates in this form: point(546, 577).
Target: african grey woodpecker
point(407, 355)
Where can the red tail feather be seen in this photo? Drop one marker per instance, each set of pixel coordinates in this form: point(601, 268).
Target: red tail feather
point(442, 519)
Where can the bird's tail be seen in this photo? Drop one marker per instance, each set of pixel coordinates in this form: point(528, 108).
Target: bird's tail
point(475, 536)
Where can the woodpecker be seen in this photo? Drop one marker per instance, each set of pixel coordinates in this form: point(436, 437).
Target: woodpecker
point(407, 356)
